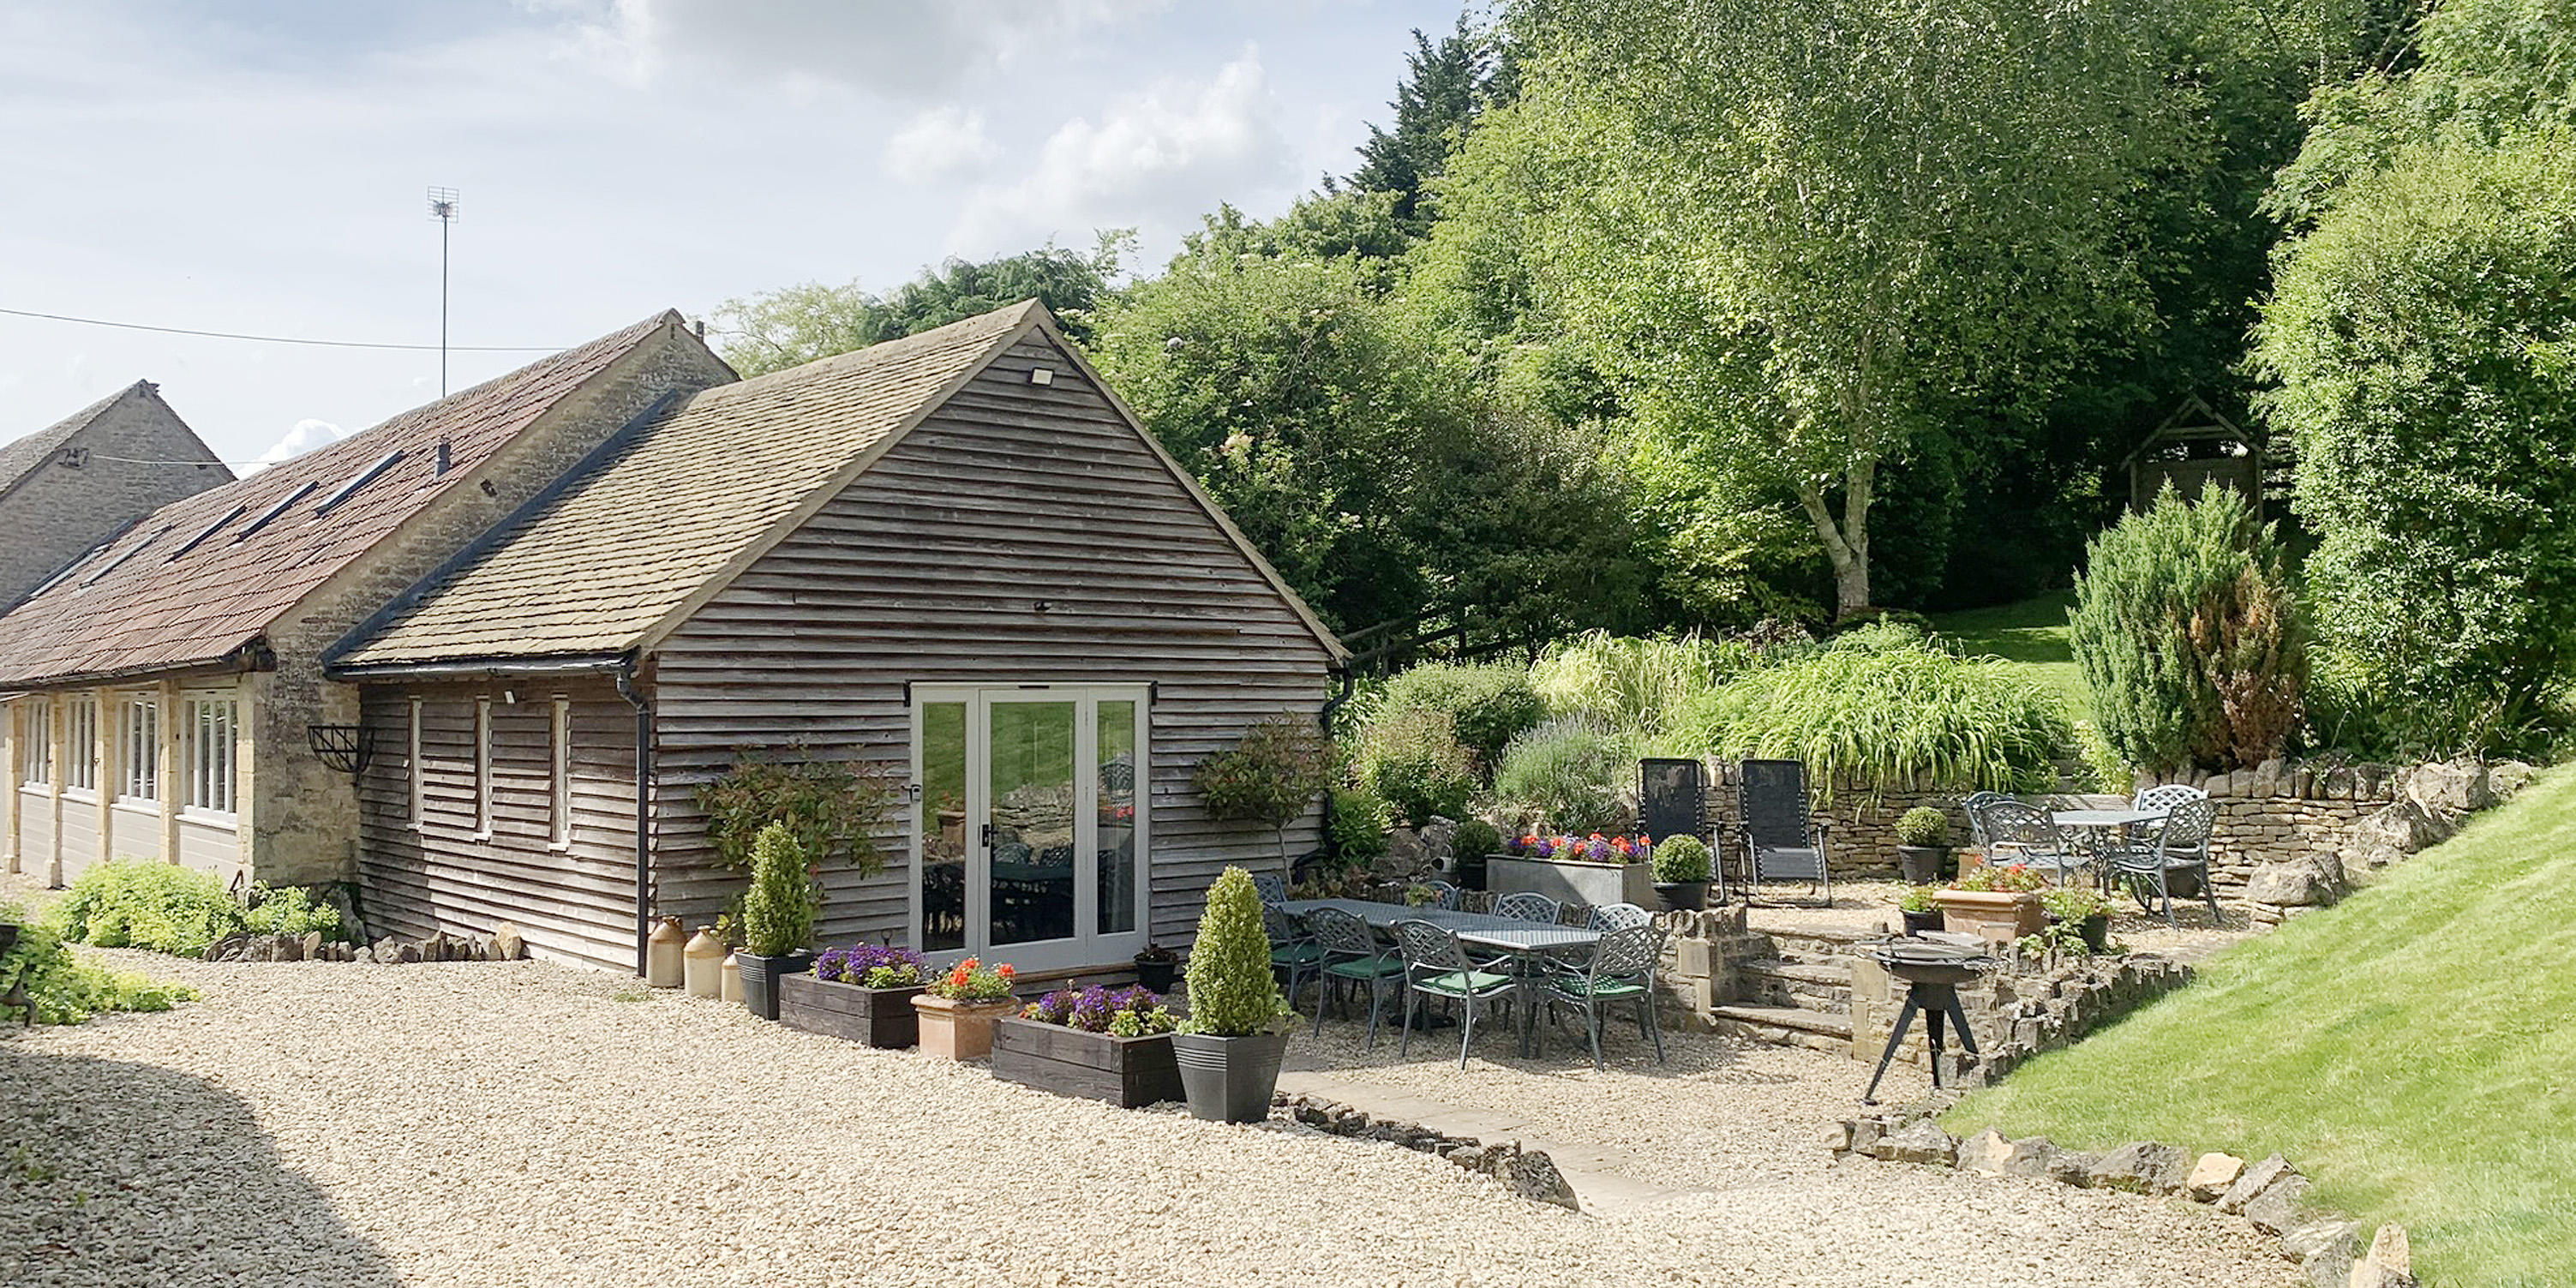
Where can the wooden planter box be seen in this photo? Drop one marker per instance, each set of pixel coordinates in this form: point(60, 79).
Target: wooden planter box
point(1126, 1072)
point(877, 1017)
point(1997, 917)
point(1586, 883)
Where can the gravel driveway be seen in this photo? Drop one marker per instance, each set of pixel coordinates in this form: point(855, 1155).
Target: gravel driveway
point(524, 1124)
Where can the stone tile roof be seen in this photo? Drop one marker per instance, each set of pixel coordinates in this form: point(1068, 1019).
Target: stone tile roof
point(138, 604)
point(698, 494)
point(20, 458)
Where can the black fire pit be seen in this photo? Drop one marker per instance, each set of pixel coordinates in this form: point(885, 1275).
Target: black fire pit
point(1933, 973)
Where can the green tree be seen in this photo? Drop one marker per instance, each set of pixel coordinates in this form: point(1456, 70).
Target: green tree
point(799, 324)
point(1446, 86)
point(2188, 636)
point(2423, 335)
point(1810, 230)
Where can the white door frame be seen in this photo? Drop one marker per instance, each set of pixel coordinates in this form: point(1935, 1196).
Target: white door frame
point(1087, 947)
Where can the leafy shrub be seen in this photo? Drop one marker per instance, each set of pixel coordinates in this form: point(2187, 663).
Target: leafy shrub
point(779, 910)
point(1414, 762)
point(1893, 719)
point(1681, 858)
point(1923, 826)
point(292, 910)
point(1476, 838)
point(1567, 773)
point(1360, 823)
point(1886, 634)
point(1918, 899)
point(145, 903)
point(1232, 992)
point(66, 990)
point(831, 809)
point(1632, 684)
point(1487, 705)
point(2188, 636)
point(1271, 775)
point(2419, 337)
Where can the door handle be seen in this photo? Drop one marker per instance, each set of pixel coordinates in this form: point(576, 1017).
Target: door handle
point(988, 838)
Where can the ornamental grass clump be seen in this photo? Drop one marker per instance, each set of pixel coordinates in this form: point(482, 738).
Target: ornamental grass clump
point(1569, 774)
point(1680, 859)
point(1631, 684)
point(871, 966)
point(779, 910)
point(1134, 1012)
point(1232, 992)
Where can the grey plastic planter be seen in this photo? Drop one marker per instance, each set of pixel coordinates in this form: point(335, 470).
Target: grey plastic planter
point(1229, 1079)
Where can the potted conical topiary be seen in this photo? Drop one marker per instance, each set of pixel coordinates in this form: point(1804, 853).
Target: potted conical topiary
point(778, 915)
point(1681, 872)
point(1230, 1047)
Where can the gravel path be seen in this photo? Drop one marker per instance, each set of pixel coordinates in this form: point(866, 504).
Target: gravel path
point(523, 1124)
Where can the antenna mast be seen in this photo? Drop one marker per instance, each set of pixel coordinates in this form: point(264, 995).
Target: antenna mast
point(442, 207)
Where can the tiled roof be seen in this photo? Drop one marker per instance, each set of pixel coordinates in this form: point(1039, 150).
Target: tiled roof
point(19, 459)
point(700, 491)
point(131, 606)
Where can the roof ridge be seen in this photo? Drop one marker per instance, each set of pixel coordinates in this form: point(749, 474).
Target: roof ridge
point(883, 350)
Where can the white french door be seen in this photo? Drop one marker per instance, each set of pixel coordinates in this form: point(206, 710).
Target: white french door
point(1029, 830)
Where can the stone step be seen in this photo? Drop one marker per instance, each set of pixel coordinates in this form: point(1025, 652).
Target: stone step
point(1824, 987)
point(1784, 1026)
point(1824, 943)
point(1835, 973)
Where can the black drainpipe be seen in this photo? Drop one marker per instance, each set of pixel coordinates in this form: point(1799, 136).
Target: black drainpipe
point(643, 810)
point(1350, 685)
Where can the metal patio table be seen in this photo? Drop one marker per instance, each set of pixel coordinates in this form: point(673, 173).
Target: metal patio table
point(2100, 824)
point(1527, 941)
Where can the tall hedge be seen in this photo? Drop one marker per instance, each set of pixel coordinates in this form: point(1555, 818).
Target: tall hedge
point(2423, 337)
point(2189, 636)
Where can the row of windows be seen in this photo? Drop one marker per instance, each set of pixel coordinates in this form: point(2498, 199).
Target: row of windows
point(558, 769)
point(209, 729)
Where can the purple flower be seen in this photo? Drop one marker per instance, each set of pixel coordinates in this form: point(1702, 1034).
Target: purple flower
point(1543, 847)
point(1598, 850)
point(870, 965)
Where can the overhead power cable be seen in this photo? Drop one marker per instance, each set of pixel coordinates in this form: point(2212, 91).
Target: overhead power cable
point(288, 339)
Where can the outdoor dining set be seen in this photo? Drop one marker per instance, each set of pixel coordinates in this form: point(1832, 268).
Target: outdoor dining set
point(2156, 847)
point(1524, 955)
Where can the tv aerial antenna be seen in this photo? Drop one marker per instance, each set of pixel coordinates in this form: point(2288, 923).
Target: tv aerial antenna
point(442, 207)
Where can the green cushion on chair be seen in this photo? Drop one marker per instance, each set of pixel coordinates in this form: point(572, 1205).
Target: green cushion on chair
point(1605, 989)
point(1297, 954)
point(1461, 983)
point(1366, 968)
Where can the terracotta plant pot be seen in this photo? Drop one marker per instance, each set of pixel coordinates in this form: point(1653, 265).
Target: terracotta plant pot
point(960, 1030)
point(1995, 916)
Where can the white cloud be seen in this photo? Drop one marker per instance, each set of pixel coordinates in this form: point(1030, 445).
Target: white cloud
point(902, 48)
point(307, 435)
point(1153, 160)
point(945, 143)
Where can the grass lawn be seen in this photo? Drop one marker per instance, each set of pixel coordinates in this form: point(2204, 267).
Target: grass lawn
point(2031, 633)
point(2413, 1050)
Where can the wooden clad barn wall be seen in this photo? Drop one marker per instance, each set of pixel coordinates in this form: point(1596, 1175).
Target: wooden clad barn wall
point(575, 903)
point(932, 568)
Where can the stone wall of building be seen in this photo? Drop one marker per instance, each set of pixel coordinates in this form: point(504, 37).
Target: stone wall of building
point(132, 457)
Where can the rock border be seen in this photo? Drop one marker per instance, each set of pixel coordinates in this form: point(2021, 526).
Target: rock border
point(505, 943)
point(2271, 1194)
point(1529, 1173)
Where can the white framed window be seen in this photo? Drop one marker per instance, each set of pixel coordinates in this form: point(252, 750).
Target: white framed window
point(482, 766)
point(411, 763)
point(80, 744)
point(209, 724)
point(138, 748)
point(35, 735)
point(559, 764)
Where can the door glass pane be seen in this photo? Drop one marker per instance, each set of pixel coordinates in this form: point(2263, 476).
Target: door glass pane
point(1118, 797)
point(1033, 835)
point(943, 826)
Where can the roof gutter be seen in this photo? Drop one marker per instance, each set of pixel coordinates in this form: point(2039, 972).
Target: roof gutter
point(487, 668)
point(625, 674)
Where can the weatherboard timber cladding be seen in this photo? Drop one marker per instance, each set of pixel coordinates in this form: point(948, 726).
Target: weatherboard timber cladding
point(931, 568)
point(575, 902)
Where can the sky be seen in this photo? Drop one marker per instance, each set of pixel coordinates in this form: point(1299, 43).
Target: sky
point(262, 166)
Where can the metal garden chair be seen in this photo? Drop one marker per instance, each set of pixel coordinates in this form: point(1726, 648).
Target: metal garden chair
point(1617, 916)
point(1353, 955)
point(1272, 887)
point(1294, 954)
point(1783, 839)
point(1622, 969)
point(1436, 965)
point(1976, 825)
point(2167, 796)
point(2179, 845)
point(1444, 896)
point(1528, 906)
point(2020, 832)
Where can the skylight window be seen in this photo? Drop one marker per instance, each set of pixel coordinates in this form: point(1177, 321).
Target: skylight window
point(211, 529)
point(350, 488)
point(119, 561)
point(270, 514)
